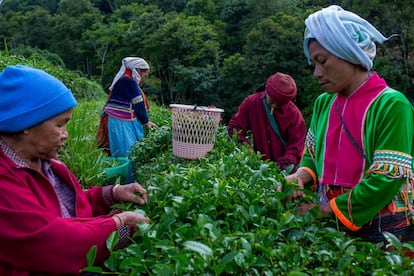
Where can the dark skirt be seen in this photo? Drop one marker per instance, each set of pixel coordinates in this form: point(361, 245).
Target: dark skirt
point(398, 224)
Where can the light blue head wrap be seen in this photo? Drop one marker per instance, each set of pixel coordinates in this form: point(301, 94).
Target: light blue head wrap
point(344, 34)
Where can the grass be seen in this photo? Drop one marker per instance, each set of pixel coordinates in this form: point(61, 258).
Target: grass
point(81, 153)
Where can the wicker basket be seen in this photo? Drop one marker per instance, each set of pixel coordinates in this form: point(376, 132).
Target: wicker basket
point(194, 129)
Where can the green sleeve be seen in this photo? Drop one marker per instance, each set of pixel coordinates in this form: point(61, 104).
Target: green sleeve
point(388, 140)
point(313, 156)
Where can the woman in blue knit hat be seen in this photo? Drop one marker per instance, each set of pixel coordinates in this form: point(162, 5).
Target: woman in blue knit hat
point(48, 222)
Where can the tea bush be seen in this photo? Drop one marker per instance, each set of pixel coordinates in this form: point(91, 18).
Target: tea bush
point(221, 214)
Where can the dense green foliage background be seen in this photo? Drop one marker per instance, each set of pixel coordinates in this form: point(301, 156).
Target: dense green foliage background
point(201, 51)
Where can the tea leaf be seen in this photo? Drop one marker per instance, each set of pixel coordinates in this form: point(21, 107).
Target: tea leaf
point(394, 242)
point(198, 247)
point(112, 240)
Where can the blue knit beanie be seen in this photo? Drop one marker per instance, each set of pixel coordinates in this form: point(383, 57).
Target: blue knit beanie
point(29, 96)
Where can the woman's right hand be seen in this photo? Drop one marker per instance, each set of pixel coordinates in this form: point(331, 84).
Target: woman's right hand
point(130, 218)
point(132, 192)
point(150, 125)
point(299, 181)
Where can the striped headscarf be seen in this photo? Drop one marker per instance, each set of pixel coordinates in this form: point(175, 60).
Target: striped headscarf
point(130, 63)
point(344, 34)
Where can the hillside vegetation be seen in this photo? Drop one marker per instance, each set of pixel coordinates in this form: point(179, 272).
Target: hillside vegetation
point(204, 52)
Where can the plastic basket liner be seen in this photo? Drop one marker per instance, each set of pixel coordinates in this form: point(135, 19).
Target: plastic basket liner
point(194, 129)
point(121, 170)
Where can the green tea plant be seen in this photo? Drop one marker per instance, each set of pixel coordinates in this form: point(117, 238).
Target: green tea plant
point(160, 115)
point(221, 214)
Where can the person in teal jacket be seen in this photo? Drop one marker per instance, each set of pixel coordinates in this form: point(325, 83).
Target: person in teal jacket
point(359, 145)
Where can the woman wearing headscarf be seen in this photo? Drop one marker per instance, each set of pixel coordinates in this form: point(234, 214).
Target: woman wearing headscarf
point(126, 108)
point(359, 146)
point(48, 222)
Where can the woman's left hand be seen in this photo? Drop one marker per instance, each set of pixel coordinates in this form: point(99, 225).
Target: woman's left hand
point(132, 192)
point(324, 209)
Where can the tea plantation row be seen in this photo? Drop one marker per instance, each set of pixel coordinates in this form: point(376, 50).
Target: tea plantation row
point(222, 215)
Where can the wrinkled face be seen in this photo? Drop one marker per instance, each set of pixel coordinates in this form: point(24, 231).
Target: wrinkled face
point(47, 138)
point(334, 74)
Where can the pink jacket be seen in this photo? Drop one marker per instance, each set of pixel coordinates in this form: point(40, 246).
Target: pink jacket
point(34, 238)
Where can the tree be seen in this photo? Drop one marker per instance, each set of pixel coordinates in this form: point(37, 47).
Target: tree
point(392, 17)
point(100, 38)
point(28, 5)
point(170, 5)
point(182, 42)
point(232, 84)
point(274, 44)
point(233, 15)
point(74, 17)
point(203, 8)
point(74, 8)
point(234, 44)
point(36, 28)
point(130, 26)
